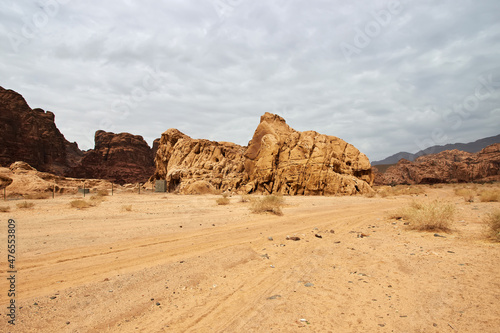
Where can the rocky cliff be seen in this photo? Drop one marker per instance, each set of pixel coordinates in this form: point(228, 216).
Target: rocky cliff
point(278, 159)
point(451, 166)
point(122, 158)
point(31, 135)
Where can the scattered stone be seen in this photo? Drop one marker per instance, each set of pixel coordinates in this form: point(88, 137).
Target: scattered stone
point(308, 285)
point(270, 238)
point(381, 325)
point(272, 266)
point(303, 320)
point(435, 325)
point(318, 236)
point(293, 238)
point(68, 322)
point(332, 231)
point(265, 256)
point(362, 235)
point(451, 252)
point(438, 235)
point(337, 242)
point(158, 303)
point(274, 297)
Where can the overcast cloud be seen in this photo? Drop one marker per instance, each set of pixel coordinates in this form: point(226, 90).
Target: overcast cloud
point(384, 75)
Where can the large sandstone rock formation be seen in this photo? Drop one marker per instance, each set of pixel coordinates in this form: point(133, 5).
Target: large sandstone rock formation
point(31, 135)
point(278, 159)
point(450, 166)
point(122, 158)
point(188, 163)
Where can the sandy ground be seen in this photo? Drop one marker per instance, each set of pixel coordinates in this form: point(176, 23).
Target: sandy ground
point(184, 264)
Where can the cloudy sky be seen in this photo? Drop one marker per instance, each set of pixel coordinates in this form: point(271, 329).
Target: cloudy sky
point(384, 75)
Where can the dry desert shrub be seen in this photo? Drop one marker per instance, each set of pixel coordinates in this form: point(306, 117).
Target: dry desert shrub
point(268, 204)
point(245, 198)
point(102, 193)
point(80, 204)
point(490, 195)
point(427, 216)
point(4, 209)
point(127, 208)
point(466, 193)
point(25, 205)
point(223, 201)
point(493, 223)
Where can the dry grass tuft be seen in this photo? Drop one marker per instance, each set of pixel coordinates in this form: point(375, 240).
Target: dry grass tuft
point(245, 198)
point(80, 204)
point(466, 193)
point(268, 204)
point(490, 195)
point(493, 223)
point(127, 208)
point(102, 193)
point(428, 216)
point(4, 209)
point(223, 201)
point(25, 205)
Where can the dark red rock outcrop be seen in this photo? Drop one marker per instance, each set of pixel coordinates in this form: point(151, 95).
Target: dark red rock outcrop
point(122, 158)
point(31, 135)
point(450, 166)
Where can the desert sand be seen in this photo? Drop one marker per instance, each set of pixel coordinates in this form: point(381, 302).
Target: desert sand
point(178, 263)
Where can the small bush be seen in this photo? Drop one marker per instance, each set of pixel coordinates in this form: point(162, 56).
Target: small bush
point(223, 201)
point(431, 216)
point(80, 204)
point(4, 209)
point(102, 193)
point(466, 193)
point(493, 223)
point(127, 208)
point(25, 205)
point(245, 198)
point(490, 196)
point(268, 204)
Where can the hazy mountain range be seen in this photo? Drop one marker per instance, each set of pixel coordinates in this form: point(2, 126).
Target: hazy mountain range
point(471, 147)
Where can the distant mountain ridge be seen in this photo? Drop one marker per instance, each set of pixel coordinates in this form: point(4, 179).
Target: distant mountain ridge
point(471, 147)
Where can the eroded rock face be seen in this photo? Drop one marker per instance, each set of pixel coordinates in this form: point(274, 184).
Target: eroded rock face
point(185, 163)
point(31, 135)
point(282, 160)
point(121, 158)
point(450, 166)
point(278, 159)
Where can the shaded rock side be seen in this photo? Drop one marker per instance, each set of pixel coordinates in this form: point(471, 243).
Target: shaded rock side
point(278, 159)
point(451, 166)
point(282, 160)
point(121, 158)
point(31, 135)
point(188, 164)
